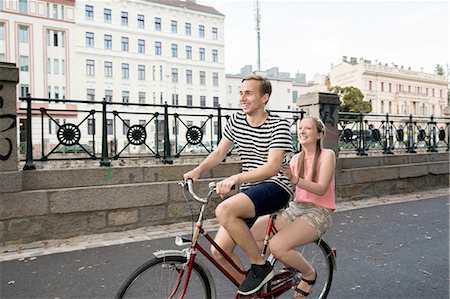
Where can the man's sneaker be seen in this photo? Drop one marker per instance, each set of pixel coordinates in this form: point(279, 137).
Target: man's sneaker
point(257, 276)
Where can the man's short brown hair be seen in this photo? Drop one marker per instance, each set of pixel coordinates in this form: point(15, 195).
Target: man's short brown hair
point(265, 85)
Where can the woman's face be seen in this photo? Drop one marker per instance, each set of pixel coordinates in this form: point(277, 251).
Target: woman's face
point(308, 132)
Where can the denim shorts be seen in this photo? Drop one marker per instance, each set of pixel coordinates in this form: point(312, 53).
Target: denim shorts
point(318, 217)
point(267, 197)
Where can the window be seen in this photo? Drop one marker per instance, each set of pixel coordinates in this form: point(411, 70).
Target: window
point(175, 75)
point(23, 6)
point(24, 90)
point(201, 30)
point(124, 18)
point(189, 100)
point(62, 12)
point(215, 79)
point(142, 97)
point(215, 101)
point(90, 39)
point(125, 44)
point(23, 34)
point(141, 21)
point(90, 67)
point(90, 94)
point(215, 56)
point(173, 26)
point(23, 63)
point(49, 65)
point(63, 92)
point(390, 87)
point(141, 72)
point(63, 67)
point(108, 95)
point(188, 52)
point(370, 85)
point(202, 54)
point(55, 11)
point(107, 15)
point(108, 69)
point(157, 24)
point(160, 73)
point(108, 41)
point(2, 31)
point(214, 33)
point(126, 126)
point(141, 46)
point(203, 101)
point(62, 39)
point(109, 126)
point(56, 66)
point(187, 28)
point(175, 99)
point(158, 50)
point(89, 12)
point(202, 78)
point(125, 96)
point(125, 70)
point(188, 76)
point(90, 126)
point(55, 39)
point(174, 50)
point(382, 86)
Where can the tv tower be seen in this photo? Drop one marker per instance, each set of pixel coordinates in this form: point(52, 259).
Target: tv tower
point(258, 35)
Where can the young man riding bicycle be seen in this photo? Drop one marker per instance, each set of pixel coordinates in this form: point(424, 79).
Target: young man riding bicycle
point(262, 140)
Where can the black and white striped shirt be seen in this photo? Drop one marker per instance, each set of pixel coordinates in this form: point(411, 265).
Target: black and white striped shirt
point(253, 144)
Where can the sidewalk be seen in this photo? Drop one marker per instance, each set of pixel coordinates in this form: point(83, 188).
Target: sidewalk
point(31, 250)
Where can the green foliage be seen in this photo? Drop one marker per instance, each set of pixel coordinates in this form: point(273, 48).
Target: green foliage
point(352, 100)
point(439, 69)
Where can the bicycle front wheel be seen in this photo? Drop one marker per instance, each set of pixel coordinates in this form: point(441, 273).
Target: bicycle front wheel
point(321, 257)
point(165, 277)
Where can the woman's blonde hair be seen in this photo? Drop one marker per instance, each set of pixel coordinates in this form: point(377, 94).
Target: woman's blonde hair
point(321, 129)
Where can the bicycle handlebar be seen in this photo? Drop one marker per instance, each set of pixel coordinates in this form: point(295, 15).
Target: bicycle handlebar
point(188, 185)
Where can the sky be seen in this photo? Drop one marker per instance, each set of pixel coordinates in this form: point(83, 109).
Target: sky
point(310, 36)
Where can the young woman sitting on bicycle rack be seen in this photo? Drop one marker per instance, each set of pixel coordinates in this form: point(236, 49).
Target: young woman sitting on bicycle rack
point(309, 215)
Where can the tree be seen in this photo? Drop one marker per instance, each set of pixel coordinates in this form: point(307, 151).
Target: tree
point(439, 69)
point(352, 99)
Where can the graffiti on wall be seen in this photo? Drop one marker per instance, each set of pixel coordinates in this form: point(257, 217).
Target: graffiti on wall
point(7, 122)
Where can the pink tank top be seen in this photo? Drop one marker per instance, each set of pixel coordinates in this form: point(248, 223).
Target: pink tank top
point(301, 195)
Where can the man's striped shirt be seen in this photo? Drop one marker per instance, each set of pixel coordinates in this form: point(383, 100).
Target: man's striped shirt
point(253, 144)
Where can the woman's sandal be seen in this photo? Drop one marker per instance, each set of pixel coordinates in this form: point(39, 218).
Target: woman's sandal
point(309, 282)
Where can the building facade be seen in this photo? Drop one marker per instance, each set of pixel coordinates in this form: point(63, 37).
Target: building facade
point(127, 52)
point(285, 90)
point(392, 88)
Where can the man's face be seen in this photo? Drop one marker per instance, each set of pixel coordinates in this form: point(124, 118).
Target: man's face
point(250, 97)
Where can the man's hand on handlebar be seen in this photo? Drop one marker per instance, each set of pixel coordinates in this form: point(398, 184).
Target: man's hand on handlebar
point(224, 186)
point(193, 175)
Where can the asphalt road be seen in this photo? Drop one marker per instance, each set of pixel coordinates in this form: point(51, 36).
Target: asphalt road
point(391, 251)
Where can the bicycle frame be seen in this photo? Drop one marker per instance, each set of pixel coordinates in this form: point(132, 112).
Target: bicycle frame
point(194, 247)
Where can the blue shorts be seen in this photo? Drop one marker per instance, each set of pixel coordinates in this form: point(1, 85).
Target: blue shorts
point(267, 197)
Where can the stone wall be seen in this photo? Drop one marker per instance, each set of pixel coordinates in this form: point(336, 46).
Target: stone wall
point(70, 202)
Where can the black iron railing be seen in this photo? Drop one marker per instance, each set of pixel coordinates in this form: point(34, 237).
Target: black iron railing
point(168, 132)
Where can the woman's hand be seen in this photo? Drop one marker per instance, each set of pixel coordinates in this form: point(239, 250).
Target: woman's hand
point(288, 172)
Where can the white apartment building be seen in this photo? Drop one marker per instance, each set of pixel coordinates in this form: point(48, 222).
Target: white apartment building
point(392, 88)
point(149, 52)
point(36, 35)
point(285, 90)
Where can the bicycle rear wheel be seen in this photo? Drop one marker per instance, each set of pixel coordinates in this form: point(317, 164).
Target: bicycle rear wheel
point(320, 256)
point(160, 277)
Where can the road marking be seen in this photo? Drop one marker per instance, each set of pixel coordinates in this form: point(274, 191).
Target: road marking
point(39, 248)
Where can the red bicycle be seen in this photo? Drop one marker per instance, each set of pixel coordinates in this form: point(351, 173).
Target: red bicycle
point(180, 274)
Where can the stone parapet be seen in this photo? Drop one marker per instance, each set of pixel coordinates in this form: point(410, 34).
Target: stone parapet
point(65, 203)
